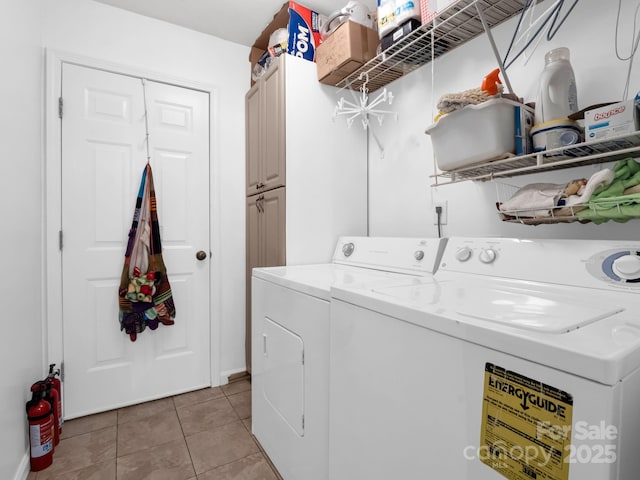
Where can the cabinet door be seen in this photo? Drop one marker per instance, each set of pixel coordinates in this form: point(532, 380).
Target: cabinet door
point(252, 141)
point(273, 126)
point(253, 260)
point(272, 227)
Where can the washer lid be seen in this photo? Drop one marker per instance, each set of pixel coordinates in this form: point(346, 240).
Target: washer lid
point(533, 309)
point(518, 304)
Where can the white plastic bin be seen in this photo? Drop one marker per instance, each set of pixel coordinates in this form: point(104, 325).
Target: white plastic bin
point(478, 133)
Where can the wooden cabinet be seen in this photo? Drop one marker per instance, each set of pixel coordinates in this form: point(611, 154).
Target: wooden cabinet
point(306, 174)
point(265, 241)
point(266, 229)
point(265, 132)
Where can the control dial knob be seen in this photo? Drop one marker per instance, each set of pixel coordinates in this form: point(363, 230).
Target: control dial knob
point(463, 254)
point(627, 267)
point(418, 255)
point(487, 255)
point(348, 248)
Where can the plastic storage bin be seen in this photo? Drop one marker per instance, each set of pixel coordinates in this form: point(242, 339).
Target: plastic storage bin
point(478, 133)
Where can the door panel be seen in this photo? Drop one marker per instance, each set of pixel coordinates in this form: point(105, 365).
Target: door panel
point(253, 145)
point(273, 127)
point(103, 156)
point(273, 228)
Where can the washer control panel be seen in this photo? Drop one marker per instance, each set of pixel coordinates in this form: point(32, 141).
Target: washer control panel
point(619, 266)
point(601, 264)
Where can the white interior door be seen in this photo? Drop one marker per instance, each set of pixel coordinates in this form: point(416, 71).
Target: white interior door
point(103, 156)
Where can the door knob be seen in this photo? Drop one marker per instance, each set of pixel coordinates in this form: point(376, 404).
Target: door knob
point(201, 255)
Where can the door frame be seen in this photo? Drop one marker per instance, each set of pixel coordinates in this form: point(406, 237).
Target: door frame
point(52, 182)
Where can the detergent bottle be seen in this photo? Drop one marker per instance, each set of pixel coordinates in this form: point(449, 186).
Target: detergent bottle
point(557, 97)
point(491, 83)
point(387, 21)
point(407, 10)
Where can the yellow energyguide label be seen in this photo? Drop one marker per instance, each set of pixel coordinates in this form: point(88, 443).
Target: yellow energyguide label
point(526, 426)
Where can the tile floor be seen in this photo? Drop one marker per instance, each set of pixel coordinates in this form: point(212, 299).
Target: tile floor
point(202, 435)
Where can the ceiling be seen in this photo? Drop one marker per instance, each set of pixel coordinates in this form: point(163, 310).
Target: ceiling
point(237, 21)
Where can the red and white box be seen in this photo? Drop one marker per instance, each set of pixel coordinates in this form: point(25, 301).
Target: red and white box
point(430, 8)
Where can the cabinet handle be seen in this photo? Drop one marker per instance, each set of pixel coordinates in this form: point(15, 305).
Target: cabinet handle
point(259, 185)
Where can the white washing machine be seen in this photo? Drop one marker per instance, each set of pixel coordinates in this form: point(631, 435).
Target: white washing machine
point(290, 342)
point(517, 359)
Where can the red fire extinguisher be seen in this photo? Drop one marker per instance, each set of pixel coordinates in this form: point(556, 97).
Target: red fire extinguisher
point(56, 386)
point(51, 396)
point(40, 416)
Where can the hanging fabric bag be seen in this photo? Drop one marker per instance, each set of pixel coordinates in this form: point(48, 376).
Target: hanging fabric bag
point(145, 296)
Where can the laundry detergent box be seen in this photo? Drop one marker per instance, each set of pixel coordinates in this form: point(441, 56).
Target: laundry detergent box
point(303, 26)
point(611, 120)
point(304, 31)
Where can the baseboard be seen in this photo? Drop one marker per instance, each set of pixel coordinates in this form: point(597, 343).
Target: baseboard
point(24, 468)
point(224, 376)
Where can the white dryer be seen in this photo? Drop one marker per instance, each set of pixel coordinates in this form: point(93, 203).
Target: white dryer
point(517, 359)
point(290, 342)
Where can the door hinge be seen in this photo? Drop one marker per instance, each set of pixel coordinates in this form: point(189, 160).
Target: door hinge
point(60, 105)
point(303, 357)
point(62, 371)
point(302, 422)
point(60, 240)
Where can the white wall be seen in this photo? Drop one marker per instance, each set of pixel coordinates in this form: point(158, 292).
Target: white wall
point(113, 35)
point(402, 201)
point(21, 206)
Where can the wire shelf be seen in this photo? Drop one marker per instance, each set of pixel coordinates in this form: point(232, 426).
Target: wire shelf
point(555, 214)
point(586, 153)
point(452, 27)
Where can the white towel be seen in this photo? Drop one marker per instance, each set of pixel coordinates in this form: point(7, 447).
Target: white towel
point(597, 180)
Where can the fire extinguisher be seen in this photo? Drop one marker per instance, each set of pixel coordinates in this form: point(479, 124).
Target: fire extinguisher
point(40, 416)
point(51, 396)
point(57, 407)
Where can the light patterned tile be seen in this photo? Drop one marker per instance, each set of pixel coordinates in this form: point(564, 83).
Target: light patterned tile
point(82, 452)
point(206, 416)
point(253, 467)
point(149, 432)
point(247, 424)
point(225, 444)
point(90, 423)
point(144, 410)
point(101, 471)
point(236, 387)
point(197, 396)
point(169, 461)
point(241, 403)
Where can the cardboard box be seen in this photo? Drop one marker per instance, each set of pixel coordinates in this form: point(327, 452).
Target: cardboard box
point(303, 25)
point(349, 47)
point(610, 121)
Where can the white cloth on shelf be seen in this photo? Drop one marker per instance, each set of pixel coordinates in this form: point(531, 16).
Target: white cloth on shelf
point(533, 200)
point(597, 180)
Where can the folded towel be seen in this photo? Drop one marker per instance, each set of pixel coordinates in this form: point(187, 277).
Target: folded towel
point(596, 181)
point(619, 209)
point(626, 175)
